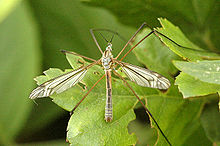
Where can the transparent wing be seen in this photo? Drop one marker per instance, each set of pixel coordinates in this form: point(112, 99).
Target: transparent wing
point(144, 77)
point(58, 84)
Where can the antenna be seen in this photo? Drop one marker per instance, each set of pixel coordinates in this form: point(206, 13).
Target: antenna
point(103, 37)
point(112, 38)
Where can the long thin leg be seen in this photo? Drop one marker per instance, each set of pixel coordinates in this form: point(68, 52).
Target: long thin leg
point(86, 95)
point(108, 106)
point(96, 42)
point(69, 52)
point(117, 74)
point(136, 45)
point(156, 33)
point(130, 39)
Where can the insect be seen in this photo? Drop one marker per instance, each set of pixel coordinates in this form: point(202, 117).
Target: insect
point(136, 74)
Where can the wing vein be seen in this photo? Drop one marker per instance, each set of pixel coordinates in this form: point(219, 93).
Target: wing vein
point(143, 76)
point(60, 83)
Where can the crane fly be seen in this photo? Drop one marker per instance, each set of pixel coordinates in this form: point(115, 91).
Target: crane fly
point(136, 74)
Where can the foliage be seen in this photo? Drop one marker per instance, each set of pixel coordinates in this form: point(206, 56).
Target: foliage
point(88, 117)
point(19, 64)
point(196, 18)
point(32, 33)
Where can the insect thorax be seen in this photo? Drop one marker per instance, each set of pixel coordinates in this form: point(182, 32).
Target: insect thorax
point(107, 58)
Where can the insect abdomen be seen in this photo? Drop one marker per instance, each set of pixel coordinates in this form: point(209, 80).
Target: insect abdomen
point(108, 106)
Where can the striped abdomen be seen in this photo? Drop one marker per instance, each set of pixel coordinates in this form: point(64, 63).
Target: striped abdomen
point(108, 106)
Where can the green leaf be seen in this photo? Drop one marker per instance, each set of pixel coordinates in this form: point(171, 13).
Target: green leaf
point(177, 117)
point(192, 52)
point(57, 142)
point(198, 138)
point(6, 7)
point(88, 120)
point(219, 100)
point(90, 131)
point(148, 10)
point(190, 86)
point(210, 120)
point(196, 18)
point(87, 125)
point(156, 56)
point(206, 71)
point(89, 116)
point(145, 134)
point(19, 61)
point(178, 129)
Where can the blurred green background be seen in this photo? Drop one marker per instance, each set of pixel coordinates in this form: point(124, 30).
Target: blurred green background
point(32, 32)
